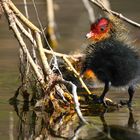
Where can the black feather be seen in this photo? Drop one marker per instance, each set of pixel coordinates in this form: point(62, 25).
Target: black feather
point(112, 60)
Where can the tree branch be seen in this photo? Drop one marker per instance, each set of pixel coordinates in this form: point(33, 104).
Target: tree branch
point(21, 42)
point(77, 75)
point(25, 32)
point(22, 17)
point(62, 54)
point(46, 66)
point(75, 97)
point(100, 5)
point(89, 10)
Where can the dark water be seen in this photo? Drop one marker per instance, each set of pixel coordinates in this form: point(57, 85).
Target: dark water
point(24, 123)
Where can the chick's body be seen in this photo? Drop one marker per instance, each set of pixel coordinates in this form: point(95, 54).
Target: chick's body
point(113, 61)
point(111, 58)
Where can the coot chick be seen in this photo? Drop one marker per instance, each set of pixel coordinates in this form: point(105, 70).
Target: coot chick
point(111, 58)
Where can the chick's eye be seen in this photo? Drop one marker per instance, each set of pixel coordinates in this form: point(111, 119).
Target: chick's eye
point(102, 28)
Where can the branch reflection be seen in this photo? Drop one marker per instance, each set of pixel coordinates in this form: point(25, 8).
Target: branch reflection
point(54, 125)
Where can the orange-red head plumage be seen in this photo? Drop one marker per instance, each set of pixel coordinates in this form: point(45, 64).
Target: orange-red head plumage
point(100, 30)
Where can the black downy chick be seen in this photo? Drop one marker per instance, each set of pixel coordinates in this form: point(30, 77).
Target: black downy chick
point(113, 61)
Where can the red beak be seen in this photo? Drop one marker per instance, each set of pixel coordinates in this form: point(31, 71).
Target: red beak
point(89, 35)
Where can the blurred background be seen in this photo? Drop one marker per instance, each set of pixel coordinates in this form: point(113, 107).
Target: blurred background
point(72, 24)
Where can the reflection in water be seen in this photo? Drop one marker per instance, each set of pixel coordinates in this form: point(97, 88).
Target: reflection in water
point(57, 125)
point(118, 132)
point(11, 126)
point(34, 124)
point(109, 132)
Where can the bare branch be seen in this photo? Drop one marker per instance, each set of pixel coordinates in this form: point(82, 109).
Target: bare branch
point(60, 92)
point(80, 79)
point(21, 42)
point(1, 9)
point(22, 17)
point(46, 66)
point(25, 32)
point(29, 30)
point(63, 55)
point(75, 97)
point(51, 23)
point(105, 3)
point(90, 10)
point(100, 5)
point(77, 75)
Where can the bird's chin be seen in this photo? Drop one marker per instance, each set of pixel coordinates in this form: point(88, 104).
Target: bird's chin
point(89, 35)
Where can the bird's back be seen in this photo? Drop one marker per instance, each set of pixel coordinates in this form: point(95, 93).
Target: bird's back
point(112, 60)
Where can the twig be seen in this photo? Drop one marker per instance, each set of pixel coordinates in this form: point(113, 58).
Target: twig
point(50, 48)
point(80, 79)
point(77, 74)
point(34, 43)
point(46, 66)
point(50, 12)
point(75, 97)
point(51, 22)
point(105, 3)
point(21, 41)
point(22, 17)
point(40, 24)
point(62, 54)
point(115, 13)
point(25, 32)
point(60, 92)
point(1, 9)
point(89, 10)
